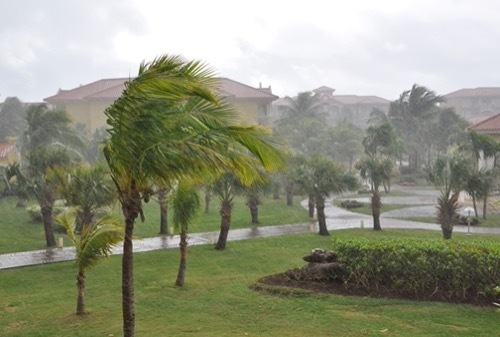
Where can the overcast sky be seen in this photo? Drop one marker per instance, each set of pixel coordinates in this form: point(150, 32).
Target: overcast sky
point(357, 47)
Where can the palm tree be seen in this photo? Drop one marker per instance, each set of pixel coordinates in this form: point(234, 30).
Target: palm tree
point(409, 114)
point(162, 199)
point(89, 188)
point(185, 204)
point(42, 181)
point(226, 187)
point(376, 170)
point(449, 174)
point(320, 177)
point(95, 242)
point(166, 126)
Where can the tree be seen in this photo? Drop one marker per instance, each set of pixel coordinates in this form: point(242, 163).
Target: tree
point(253, 194)
point(302, 124)
point(89, 188)
point(12, 115)
point(163, 203)
point(95, 242)
point(376, 170)
point(381, 148)
point(226, 187)
point(169, 125)
point(185, 204)
point(409, 115)
point(449, 175)
point(344, 143)
point(42, 180)
point(320, 177)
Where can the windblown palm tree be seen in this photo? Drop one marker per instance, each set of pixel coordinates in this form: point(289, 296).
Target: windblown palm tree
point(185, 204)
point(167, 125)
point(95, 242)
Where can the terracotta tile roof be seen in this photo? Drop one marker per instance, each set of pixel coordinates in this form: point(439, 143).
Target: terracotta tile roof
point(357, 100)
point(237, 90)
point(323, 88)
point(111, 89)
point(489, 125)
point(477, 92)
point(5, 149)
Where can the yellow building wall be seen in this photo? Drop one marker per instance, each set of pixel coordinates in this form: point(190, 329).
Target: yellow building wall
point(91, 114)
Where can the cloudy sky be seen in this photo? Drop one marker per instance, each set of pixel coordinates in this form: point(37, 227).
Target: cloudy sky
point(362, 47)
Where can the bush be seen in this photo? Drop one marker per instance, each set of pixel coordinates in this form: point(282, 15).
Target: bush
point(348, 204)
point(36, 214)
point(422, 269)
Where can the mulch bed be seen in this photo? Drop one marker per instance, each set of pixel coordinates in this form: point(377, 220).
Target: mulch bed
point(337, 288)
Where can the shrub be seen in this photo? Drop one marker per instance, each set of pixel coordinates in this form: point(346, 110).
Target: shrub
point(348, 204)
point(36, 215)
point(422, 269)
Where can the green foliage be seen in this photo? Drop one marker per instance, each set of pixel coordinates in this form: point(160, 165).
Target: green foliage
point(423, 269)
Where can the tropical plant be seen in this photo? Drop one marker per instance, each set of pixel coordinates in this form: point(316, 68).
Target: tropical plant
point(302, 124)
point(96, 241)
point(42, 181)
point(226, 187)
point(186, 203)
point(168, 125)
point(320, 177)
point(449, 174)
point(12, 113)
point(409, 116)
point(381, 149)
point(89, 188)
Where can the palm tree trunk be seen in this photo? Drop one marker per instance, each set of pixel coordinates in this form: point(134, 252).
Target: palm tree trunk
point(253, 205)
point(47, 225)
point(80, 286)
point(162, 200)
point(208, 198)
point(131, 206)
point(320, 210)
point(225, 222)
point(485, 206)
point(289, 194)
point(310, 204)
point(474, 205)
point(182, 264)
point(376, 205)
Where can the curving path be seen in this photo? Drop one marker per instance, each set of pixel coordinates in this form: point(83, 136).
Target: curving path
point(337, 218)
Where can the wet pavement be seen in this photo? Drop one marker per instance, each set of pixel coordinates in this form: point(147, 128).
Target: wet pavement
point(337, 219)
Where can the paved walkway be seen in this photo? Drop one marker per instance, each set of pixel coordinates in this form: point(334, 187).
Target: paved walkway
point(337, 218)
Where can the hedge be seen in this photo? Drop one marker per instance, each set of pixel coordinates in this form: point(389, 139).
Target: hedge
point(422, 269)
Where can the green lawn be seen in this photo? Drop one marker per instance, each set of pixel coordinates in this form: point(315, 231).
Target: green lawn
point(18, 233)
point(216, 300)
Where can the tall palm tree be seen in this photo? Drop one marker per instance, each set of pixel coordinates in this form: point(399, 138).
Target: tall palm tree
point(186, 203)
point(168, 124)
point(95, 242)
point(409, 114)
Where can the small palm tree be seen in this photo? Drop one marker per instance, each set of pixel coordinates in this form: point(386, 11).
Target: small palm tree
point(226, 187)
point(449, 175)
point(95, 242)
point(185, 205)
point(89, 189)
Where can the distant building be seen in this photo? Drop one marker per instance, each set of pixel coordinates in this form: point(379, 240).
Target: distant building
point(491, 127)
point(352, 109)
point(8, 152)
point(475, 104)
point(86, 103)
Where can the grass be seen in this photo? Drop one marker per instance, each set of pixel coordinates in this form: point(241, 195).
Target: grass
point(18, 233)
point(216, 300)
point(366, 207)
